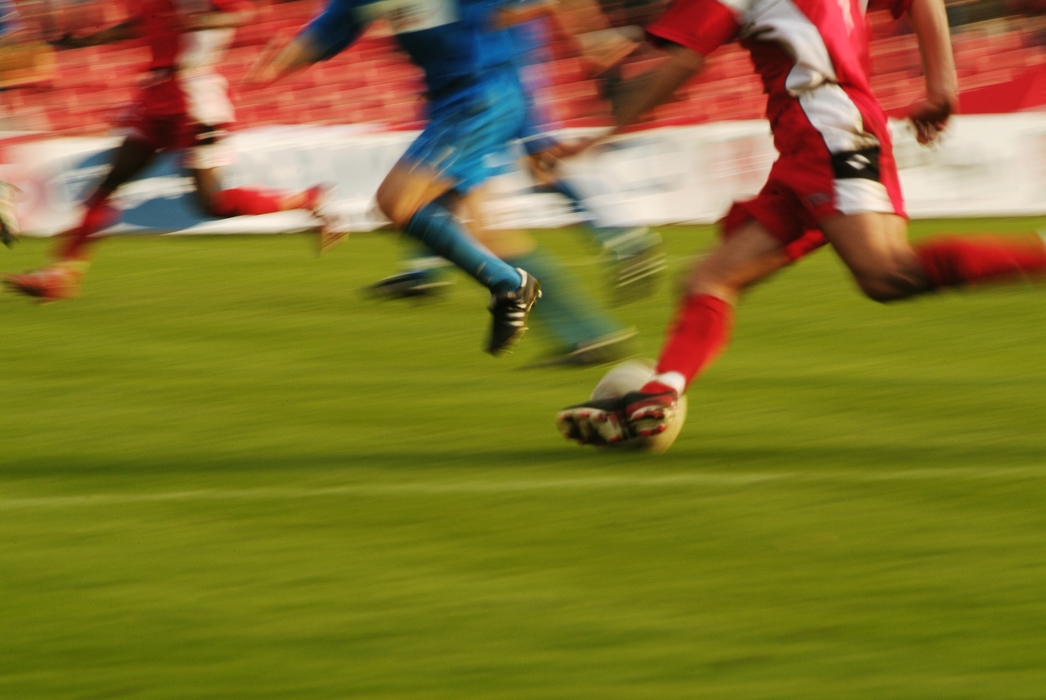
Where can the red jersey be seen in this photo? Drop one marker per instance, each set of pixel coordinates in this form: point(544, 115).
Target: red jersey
point(812, 56)
point(182, 68)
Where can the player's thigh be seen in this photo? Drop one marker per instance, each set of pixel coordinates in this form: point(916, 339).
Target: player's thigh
point(870, 243)
point(739, 260)
point(131, 157)
point(875, 248)
point(408, 188)
point(457, 149)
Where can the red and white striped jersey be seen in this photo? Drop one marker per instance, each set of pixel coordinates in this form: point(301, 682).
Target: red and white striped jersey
point(812, 55)
point(186, 58)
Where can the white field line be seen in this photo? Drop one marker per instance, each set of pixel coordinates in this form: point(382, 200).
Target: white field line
point(423, 488)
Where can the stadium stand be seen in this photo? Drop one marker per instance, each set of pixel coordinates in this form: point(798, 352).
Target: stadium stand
point(1002, 67)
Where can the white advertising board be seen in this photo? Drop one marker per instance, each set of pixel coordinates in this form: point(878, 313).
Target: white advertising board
point(991, 165)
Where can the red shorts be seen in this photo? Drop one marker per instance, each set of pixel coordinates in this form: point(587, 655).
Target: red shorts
point(161, 117)
point(808, 184)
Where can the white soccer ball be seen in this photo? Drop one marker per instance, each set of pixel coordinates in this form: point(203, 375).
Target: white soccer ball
point(631, 376)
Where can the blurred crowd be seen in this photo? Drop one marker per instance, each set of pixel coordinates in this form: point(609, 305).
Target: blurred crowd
point(46, 86)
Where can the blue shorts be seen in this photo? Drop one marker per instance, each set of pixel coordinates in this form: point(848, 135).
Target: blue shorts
point(469, 129)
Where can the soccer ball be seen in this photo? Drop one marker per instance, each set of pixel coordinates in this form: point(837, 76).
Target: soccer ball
point(631, 376)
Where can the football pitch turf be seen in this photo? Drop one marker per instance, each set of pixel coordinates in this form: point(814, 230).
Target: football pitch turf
point(224, 474)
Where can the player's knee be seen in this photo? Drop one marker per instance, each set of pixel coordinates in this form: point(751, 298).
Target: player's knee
point(386, 204)
point(891, 285)
point(392, 204)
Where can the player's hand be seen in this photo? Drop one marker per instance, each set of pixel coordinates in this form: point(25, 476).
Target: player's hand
point(930, 116)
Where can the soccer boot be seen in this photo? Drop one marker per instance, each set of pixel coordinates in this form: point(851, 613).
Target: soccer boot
point(50, 283)
point(8, 223)
point(648, 414)
point(318, 203)
point(602, 350)
point(414, 284)
point(510, 311)
point(595, 422)
point(637, 262)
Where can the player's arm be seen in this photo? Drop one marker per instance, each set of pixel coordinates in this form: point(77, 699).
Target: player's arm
point(688, 31)
point(128, 29)
point(227, 14)
point(654, 88)
point(330, 33)
point(930, 24)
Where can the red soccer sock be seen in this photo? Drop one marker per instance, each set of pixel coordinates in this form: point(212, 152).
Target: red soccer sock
point(953, 261)
point(240, 201)
point(699, 332)
point(99, 215)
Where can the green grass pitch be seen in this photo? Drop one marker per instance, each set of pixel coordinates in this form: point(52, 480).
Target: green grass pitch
point(224, 474)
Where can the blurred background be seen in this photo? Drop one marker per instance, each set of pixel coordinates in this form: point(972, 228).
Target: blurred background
point(225, 473)
point(1000, 48)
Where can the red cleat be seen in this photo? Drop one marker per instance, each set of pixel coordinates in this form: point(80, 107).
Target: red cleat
point(650, 414)
point(51, 283)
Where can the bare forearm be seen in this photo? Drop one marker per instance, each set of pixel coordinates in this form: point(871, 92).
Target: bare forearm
point(274, 65)
point(930, 24)
point(654, 88)
point(119, 32)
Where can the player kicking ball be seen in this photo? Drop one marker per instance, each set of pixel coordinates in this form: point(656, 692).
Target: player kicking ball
point(184, 105)
point(475, 106)
point(835, 181)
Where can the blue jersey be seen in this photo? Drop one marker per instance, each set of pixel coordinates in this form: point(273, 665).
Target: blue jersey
point(452, 41)
point(531, 47)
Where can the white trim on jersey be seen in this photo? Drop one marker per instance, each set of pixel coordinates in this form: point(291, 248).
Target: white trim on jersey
point(813, 81)
point(832, 112)
point(206, 91)
point(780, 21)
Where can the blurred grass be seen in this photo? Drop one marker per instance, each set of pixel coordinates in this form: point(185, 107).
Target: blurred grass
point(313, 495)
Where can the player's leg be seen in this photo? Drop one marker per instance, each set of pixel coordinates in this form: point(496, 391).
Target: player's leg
point(250, 200)
point(637, 258)
point(887, 267)
point(61, 279)
point(415, 198)
point(696, 336)
point(586, 334)
point(421, 276)
point(452, 155)
point(210, 150)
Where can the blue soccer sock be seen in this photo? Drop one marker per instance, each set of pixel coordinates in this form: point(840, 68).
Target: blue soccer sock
point(437, 228)
point(572, 315)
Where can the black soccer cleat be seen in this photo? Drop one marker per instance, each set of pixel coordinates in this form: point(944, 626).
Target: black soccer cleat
point(407, 285)
point(510, 311)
